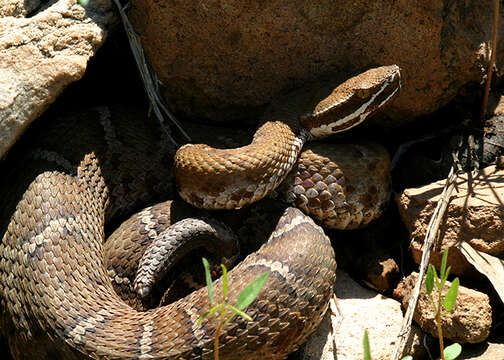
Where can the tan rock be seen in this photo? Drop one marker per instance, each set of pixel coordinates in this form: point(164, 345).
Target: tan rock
point(18, 8)
point(490, 350)
point(217, 58)
point(469, 322)
point(475, 214)
point(41, 55)
point(341, 338)
point(381, 274)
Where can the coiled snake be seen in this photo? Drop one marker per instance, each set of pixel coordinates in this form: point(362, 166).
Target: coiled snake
point(58, 300)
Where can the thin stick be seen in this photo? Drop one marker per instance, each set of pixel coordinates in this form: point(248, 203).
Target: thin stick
point(439, 328)
point(149, 78)
point(492, 59)
point(216, 342)
point(338, 314)
point(430, 236)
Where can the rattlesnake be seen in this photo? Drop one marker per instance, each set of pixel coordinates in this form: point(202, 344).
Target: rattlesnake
point(58, 301)
point(212, 178)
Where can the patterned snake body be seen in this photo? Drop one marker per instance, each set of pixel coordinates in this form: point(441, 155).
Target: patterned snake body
point(212, 178)
point(342, 186)
point(56, 293)
point(54, 284)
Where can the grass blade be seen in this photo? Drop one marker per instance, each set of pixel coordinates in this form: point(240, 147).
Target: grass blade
point(209, 312)
point(367, 348)
point(239, 312)
point(250, 292)
point(442, 270)
point(224, 281)
point(208, 279)
point(436, 279)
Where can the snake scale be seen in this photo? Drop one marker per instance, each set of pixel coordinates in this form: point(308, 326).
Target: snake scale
point(57, 277)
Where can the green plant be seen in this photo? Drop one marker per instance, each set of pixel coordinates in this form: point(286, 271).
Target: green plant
point(245, 298)
point(367, 348)
point(454, 350)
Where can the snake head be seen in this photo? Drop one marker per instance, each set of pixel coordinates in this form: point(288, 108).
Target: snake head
point(351, 102)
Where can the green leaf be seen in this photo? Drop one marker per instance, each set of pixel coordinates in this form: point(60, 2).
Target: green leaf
point(407, 357)
point(239, 312)
point(429, 279)
point(451, 295)
point(208, 279)
point(436, 279)
point(452, 352)
point(236, 312)
point(442, 270)
point(224, 282)
point(83, 2)
point(250, 292)
point(211, 311)
point(367, 348)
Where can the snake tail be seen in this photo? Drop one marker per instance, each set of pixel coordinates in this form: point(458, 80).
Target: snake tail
point(177, 241)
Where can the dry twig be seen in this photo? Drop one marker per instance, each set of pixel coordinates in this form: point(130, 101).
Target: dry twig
point(149, 78)
point(492, 59)
point(430, 236)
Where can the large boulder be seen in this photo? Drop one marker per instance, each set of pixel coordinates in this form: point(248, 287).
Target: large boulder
point(220, 58)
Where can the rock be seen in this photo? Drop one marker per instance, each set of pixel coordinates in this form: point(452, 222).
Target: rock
point(469, 322)
point(489, 350)
point(18, 8)
point(224, 59)
point(474, 214)
point(382, 274)
point(41, 55)
point(341, 339)
point(375, 266)
point(369, 254)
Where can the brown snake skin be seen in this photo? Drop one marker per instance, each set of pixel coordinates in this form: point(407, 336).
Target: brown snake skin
point(342, 186)
point(176, 242)
point(56, 293)
point(54, 284)
point(212, 178)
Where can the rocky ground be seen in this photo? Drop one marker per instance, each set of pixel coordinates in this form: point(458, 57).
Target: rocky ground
point(226, 60)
